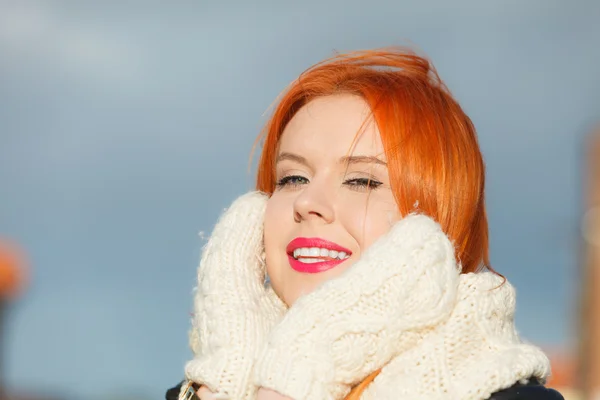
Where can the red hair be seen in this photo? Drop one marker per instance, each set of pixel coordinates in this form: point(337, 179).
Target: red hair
point(433, 156)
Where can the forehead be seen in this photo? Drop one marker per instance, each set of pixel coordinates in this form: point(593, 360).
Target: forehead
point(336, 125)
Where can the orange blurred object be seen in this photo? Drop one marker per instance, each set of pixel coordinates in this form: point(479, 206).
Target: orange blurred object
point(12, 270)
point(564, 369)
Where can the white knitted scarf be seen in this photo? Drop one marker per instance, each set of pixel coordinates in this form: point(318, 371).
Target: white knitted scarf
point(403, 307)
point(473, 354)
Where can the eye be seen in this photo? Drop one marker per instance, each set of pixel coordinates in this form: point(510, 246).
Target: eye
point(361, 184)
point(291, 181)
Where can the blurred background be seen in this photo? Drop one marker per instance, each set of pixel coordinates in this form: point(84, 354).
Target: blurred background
point(126, 127)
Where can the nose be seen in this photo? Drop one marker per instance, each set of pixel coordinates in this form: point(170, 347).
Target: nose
point(313, 203)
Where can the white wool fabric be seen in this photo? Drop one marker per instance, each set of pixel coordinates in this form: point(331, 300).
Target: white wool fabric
point(473, 354)
point(233, 311)
point(402, 307)
point(329, 340)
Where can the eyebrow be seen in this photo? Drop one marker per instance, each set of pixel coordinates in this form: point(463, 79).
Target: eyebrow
point(362, 160)
point(344, 160)
point(291, 157)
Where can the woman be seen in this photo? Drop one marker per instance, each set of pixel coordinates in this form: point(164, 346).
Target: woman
point(370, 222)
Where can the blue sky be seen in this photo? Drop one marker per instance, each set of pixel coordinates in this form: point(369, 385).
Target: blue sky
point(126, 129)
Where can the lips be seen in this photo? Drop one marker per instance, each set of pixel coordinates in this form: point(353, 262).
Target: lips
point(319, 266)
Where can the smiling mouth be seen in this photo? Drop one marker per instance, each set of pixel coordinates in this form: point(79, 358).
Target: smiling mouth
point(318, 254)
point(313, 255)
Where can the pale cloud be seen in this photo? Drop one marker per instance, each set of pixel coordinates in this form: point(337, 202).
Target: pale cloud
point(33, 33)
point(21, 22)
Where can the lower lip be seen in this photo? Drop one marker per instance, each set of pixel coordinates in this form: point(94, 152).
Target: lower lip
point(313, 268)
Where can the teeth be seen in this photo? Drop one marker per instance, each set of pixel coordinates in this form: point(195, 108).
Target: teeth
point(303, 253)
point(310, 260)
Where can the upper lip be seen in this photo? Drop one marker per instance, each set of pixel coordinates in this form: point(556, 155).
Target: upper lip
point(314, 242)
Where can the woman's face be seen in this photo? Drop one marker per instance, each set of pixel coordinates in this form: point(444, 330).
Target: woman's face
point(333, 196)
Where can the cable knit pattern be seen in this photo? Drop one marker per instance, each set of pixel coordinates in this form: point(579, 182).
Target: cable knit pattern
point(404, 285)
point(233, 310)
point(473, 354)
point(402, 307)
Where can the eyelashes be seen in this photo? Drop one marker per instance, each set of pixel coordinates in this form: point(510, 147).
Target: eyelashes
point(369, 183)
point(357, 184)
point(291, 181)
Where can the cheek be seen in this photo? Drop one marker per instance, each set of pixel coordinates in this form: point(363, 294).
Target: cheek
point(274, 223)
point(278, 220)
point(366, 221)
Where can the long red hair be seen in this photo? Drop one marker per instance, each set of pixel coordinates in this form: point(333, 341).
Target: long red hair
point(433, 156)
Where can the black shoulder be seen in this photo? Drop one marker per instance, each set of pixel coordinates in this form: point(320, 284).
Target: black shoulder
point(527, 392)
point(173, 393)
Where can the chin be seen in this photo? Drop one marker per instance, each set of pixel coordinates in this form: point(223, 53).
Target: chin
point(287, 296)
point(290, 300)
point(292, 296)
point(291, 285)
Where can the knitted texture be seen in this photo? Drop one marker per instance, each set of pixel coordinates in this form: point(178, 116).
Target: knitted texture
point(473, 354)
point(234, 311)
point(402, 307)
point(405, 284)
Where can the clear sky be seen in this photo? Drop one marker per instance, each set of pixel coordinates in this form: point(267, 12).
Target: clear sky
point(126, 129)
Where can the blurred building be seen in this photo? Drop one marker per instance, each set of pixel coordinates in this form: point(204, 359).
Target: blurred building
point(577, 374)
point(588, 371)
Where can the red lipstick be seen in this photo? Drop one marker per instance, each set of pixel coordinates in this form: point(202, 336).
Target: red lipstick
point(312, 268)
